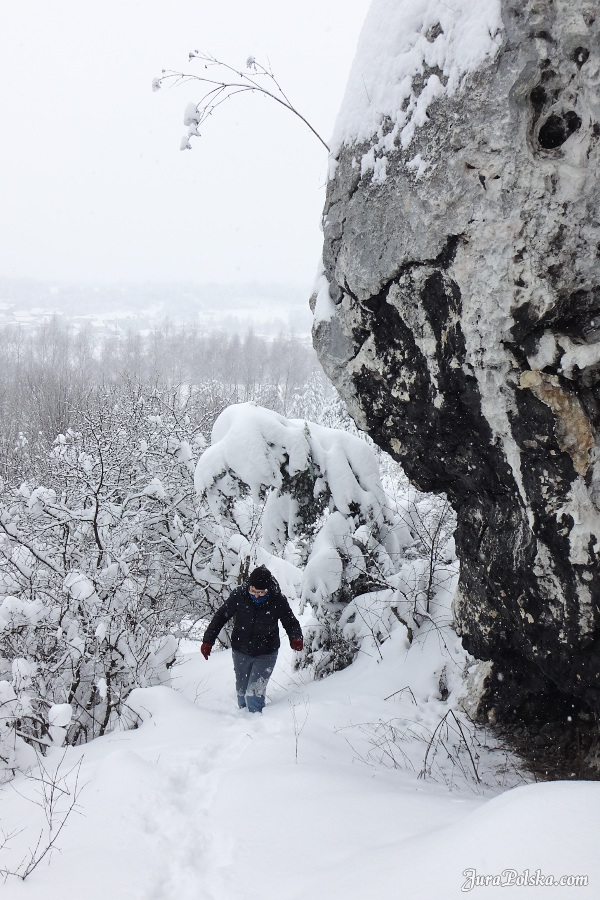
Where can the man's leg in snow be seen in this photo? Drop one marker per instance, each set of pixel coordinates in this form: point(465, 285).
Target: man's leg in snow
point(255, 703)
point(242, 666)
point(260, 673)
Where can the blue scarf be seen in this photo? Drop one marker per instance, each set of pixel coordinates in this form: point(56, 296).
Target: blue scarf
point(259, 600)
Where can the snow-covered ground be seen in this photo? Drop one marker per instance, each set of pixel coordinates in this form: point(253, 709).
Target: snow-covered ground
point(207, 802)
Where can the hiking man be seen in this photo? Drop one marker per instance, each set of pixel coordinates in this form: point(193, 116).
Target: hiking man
point(258, 606)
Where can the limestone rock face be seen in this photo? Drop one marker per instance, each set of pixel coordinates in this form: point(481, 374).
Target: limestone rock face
point(458, 313)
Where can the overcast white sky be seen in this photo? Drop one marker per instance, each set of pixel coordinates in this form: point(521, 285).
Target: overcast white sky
point(94, 186)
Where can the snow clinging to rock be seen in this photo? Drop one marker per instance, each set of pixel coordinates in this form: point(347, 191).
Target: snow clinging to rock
point(410, 54)
point(462, 321)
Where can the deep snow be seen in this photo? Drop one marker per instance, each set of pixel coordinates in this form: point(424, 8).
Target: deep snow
point(207, 802)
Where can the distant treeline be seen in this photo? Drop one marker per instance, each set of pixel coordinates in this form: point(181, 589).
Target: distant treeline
point(51, 371)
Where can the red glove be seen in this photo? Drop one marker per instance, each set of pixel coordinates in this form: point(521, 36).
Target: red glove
point(297, 644)
point(205, 650)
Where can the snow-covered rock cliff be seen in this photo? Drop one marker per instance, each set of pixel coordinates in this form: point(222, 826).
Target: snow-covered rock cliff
point(458, 312)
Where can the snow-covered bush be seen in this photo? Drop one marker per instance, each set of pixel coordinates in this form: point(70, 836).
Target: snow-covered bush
point(15, 753)
point(91, 584)
point(428, 562)
point(281, 483)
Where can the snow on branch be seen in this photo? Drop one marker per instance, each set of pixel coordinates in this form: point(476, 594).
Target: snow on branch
point(220, 82)
point(320, 488)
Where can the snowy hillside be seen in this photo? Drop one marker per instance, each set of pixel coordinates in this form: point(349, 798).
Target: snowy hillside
point(348, 785)
point(205, 802)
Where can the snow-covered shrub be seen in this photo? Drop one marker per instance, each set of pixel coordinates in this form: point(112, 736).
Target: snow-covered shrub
point(430, 563)
point(15, 753)
point(420, 590)
point(428, 560)
point(328, 646)
point(92, 583)
point(274, 481)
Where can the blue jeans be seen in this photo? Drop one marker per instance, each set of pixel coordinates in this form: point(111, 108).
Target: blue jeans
point(252, 675)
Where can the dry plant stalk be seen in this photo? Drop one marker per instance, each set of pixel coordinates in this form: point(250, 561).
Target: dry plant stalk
point(222, 82)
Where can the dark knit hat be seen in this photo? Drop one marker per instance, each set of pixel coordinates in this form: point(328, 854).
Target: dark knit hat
point(260, 578)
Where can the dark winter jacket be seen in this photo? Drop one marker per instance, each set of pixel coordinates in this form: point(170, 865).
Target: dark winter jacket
point(256, 629)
